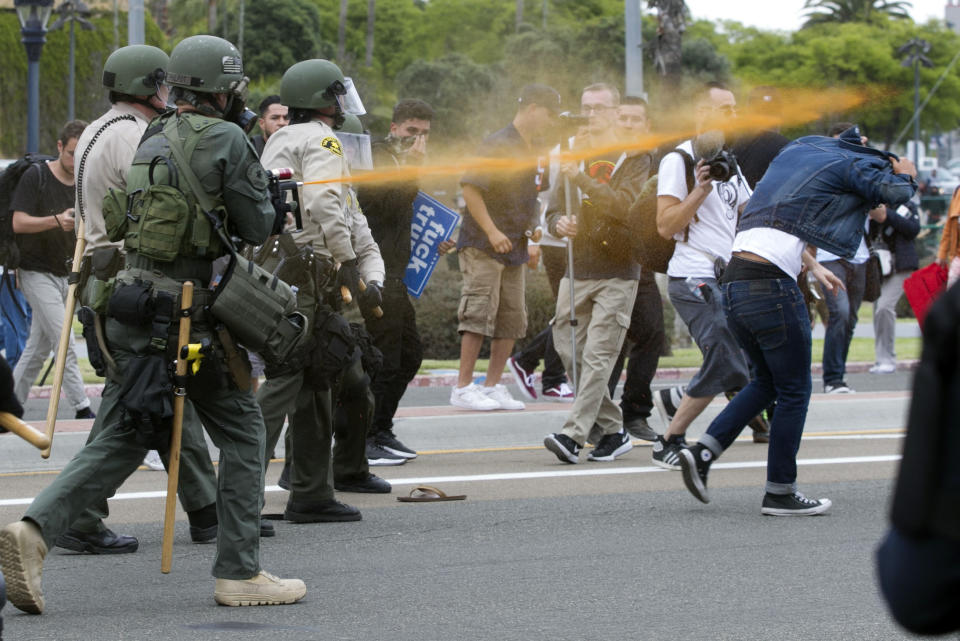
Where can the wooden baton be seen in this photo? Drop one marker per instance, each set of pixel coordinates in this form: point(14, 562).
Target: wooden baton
point(30, 434)
point(176, 432)
point(65, 331)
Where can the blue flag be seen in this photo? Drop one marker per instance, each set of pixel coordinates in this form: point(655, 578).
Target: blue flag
point(433, 223)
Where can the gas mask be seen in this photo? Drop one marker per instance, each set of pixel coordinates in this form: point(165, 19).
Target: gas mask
point(236, 110)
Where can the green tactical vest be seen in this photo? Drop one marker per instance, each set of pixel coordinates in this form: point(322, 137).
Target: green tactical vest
point(163, 218)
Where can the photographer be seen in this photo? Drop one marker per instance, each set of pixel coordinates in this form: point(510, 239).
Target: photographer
point(701, 214)
point(817, 191)
point(605, 275)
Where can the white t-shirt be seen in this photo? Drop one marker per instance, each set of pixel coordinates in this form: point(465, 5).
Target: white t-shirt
point(780, 248)
point(863, 252)
point(711, 234)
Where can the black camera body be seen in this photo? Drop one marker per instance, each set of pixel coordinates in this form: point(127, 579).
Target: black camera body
point(723, 166)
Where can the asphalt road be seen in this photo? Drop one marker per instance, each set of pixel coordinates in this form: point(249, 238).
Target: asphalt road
point(539, 550)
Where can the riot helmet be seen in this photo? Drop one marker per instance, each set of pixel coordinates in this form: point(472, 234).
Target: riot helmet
point(355, 143)
point(319, 84)
point(136, 70)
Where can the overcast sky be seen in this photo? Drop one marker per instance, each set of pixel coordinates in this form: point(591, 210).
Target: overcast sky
point(787, 15)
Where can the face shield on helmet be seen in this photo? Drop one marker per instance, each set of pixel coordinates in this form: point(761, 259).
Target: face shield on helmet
point(349, 100)
point(357, 150)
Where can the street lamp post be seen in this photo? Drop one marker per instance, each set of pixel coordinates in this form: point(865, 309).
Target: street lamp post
point(33, 16)
point(72, 11)
point(914, 53)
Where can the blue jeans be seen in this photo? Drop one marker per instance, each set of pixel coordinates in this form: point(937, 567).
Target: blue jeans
point(842, 307)
point(15, 318)
point(769, 320)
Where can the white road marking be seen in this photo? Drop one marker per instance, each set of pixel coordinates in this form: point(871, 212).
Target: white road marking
point(515, 476)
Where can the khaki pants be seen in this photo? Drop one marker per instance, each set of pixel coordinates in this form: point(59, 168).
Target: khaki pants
point(602, 308)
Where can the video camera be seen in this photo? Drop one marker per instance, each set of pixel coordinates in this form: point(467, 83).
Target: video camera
point(280, 184)
point(571, 122)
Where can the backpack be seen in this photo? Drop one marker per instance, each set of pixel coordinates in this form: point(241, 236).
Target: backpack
point(650, 249)
point(9, 179)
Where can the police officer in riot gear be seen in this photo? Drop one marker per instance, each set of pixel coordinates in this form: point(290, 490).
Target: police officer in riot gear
point(163, 252)
point(135, 77)
point(316, 95)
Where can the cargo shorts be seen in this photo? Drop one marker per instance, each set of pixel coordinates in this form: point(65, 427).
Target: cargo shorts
point(492, 300)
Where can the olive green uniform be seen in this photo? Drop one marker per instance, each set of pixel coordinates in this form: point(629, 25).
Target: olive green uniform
point(227, 167)
point(105, 167)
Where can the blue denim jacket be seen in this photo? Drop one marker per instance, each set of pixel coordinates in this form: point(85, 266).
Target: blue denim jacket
point(819, 189)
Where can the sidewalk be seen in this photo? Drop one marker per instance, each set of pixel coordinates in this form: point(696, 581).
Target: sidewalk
point(448, 378)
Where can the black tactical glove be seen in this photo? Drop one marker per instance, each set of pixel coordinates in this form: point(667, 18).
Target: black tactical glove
point(370, 299)
point(349, 276)
point(8, 400)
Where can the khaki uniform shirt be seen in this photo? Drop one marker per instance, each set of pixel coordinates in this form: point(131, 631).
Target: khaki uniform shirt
point(313, 152)
point(105, 167)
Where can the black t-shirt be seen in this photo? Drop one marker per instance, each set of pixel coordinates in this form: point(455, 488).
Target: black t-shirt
point(510, 196)
point(40, 194)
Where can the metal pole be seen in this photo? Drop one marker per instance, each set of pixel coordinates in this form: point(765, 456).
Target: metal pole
point(116, 25)
point(33, 106)
point(634, 48)
point(135, 18)
point(573, 313)
point(916, 110)
point(71, 101)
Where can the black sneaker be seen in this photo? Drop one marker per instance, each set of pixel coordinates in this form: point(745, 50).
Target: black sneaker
point(389, 441)
point(329, 511)
point(86, 412)
point(695, 464)
point(369, 484)
point(610, 447)
point(666, 454)
point(795, 504)
point(377, 455)
point(667, 402)
point(563, 446)
point(639, 428)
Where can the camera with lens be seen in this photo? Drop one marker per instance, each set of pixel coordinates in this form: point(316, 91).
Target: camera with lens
point(723, 166)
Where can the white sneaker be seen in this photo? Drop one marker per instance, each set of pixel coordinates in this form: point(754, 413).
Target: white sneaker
point(262, 589)
point(501, 395)
point(472, 397)
point(883, 369)
point(152, 460)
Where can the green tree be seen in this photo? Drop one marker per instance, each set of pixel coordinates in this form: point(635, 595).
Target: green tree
point(280, 33)
point(854, 10)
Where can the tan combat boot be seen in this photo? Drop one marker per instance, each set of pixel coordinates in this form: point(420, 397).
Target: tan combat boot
point(262, 589)
point(22, 551)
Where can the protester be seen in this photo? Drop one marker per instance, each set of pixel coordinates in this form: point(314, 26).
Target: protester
point(205, 72)
point(645, 336)
point(389, 212)
point(604, 275)
point(765, 308)
point(843, 306)
point(893, 231)
point(918, 562)
point(501, 210)
point(273, 115)
point(43, 220)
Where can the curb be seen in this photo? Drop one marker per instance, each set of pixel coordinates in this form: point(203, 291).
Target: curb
point(95, 390)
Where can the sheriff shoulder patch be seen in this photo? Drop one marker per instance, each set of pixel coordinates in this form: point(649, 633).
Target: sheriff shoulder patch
point(332, 144)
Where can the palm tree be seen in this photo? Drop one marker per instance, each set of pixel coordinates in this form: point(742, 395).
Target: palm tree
point(671, 23)
point(371, 18)
point(855, 10)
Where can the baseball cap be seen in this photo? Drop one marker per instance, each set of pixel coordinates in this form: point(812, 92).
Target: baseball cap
point(540, 95)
